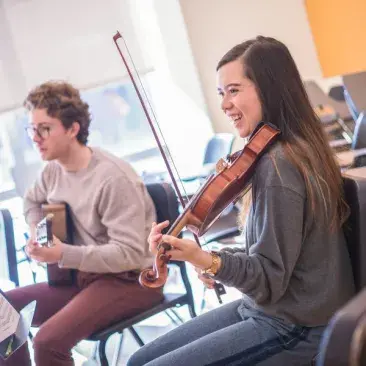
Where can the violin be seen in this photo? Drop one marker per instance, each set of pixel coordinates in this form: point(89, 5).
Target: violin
point(227, 185)
point(232, 178)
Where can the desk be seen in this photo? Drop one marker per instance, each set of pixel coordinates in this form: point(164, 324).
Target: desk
point(356, 172)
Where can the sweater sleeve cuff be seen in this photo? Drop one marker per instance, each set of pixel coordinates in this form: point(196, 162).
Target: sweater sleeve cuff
point(72, 256)
point(223, 274)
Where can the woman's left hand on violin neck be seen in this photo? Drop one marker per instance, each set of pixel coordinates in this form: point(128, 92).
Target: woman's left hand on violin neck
point(188, 250)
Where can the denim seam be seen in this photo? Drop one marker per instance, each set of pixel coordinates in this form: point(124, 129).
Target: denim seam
point(256, 353)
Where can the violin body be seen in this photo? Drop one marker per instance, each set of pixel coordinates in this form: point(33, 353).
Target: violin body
point(218, 192)
point(229, 183)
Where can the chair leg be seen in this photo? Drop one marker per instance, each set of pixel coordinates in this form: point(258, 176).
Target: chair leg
point(117, 350)
point(177, 315)
point(102, 355)
point(94, 355)
point(136, 336)
point(203, 302)
point(174, 321)
point(192, 312)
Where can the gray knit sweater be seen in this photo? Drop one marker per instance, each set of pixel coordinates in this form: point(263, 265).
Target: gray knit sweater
point(293, 267)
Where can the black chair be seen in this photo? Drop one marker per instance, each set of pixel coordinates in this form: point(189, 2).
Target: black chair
point(345, 337)
point(166, 205)
point(337, 93)
point(355, 230)
point(10, 245)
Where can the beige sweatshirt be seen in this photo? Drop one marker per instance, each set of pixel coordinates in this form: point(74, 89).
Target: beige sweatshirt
point(110, 209)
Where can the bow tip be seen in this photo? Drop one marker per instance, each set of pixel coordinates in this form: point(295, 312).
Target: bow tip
point(116, 36)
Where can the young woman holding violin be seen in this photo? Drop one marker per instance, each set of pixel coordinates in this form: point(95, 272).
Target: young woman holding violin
point(294, 271)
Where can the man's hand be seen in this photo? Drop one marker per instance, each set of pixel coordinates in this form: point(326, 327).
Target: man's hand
point(45, 254)
point(156, 235)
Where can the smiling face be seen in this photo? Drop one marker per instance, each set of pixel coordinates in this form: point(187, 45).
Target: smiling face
point(52, 140)
point(239, 97)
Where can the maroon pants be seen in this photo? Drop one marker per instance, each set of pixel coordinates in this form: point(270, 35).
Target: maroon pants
point(69, 314)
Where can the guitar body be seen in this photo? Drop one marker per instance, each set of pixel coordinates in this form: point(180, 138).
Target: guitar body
point(61, 227)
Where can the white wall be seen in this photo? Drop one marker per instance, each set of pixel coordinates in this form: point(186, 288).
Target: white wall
point(214, 26)
point(68, 39)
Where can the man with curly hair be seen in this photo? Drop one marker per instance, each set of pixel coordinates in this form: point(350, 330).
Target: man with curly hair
point(112, 215)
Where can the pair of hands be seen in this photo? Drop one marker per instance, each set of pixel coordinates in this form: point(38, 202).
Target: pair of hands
point(45, 254)
point(182, 250)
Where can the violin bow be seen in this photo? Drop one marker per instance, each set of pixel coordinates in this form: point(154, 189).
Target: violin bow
point(219, 288)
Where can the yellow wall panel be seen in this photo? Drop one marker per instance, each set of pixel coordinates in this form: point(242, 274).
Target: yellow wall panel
point(339, 31)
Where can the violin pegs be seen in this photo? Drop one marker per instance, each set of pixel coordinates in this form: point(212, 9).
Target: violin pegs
point(165, 258)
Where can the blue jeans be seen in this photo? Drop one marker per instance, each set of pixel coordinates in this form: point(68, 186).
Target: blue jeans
point(233, 334)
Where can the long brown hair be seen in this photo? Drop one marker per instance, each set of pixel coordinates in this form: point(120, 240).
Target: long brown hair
point(269, 65)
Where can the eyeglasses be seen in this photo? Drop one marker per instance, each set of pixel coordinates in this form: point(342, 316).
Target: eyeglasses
point(41, 131)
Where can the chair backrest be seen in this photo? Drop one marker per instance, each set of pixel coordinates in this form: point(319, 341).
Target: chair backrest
point(359, 134)
point(165, 201)
point(355, 92)
point(337, 93)
point(343, 342)
point(318, 97)
point(218, 147)
point(339, 343)
point(6, 225)
point(355, 228)
point(167, 208)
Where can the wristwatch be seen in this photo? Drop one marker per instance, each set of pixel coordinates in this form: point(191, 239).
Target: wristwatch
point(212, 270)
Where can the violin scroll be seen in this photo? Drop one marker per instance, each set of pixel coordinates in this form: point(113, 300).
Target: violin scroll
point(156, 277)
